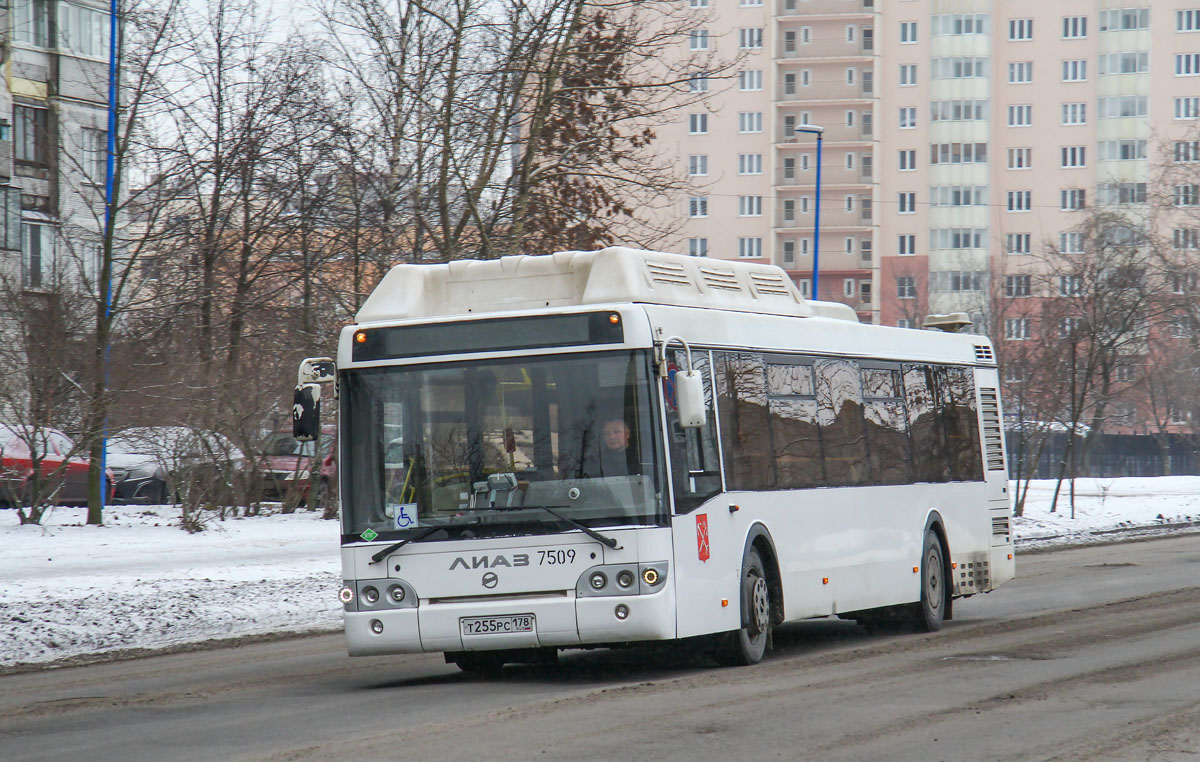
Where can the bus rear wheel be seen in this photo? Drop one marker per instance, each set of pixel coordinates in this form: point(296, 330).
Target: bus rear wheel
point(928, 613)
point(748, 645)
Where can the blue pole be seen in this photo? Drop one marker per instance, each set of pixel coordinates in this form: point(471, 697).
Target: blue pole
point(109, 167)
point(816, 289)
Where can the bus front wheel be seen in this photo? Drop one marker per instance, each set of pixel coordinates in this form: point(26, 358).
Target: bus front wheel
point(746, 646)
point(928, 613)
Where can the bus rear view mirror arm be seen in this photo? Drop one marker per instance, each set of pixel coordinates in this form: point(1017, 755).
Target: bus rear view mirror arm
point(689, 387)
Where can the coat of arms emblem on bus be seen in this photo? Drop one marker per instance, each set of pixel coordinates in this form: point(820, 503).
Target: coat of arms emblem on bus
point(702, 536)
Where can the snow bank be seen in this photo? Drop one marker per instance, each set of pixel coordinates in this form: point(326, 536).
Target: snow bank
point(68, 589)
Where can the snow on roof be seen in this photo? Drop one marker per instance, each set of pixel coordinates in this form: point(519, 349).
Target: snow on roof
point(570, 278)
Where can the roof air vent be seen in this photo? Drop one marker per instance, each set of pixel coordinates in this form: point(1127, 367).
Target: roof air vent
point(983, 353)
point(720, 278)
point(671, 273)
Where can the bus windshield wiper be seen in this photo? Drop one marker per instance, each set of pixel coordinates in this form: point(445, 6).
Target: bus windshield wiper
point(607, 541)
point(396, 546)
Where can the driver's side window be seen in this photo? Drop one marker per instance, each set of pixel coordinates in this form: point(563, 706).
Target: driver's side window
point(695, 459)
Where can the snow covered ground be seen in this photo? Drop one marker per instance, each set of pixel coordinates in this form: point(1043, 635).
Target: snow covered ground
point(67, 589)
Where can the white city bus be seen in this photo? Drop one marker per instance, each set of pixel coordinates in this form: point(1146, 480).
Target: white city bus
point(601, 448)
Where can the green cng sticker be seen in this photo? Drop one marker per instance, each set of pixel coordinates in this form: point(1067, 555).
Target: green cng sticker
point(369, 535)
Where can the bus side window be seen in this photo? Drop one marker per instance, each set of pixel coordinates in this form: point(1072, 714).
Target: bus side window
point(887, 427)
point(922, 400)
point(962, 425)
point(794, 424)
point(745, 422)
point(843, 435)
point(696, 468)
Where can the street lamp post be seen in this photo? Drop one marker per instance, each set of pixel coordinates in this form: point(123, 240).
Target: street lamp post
point(813, 129)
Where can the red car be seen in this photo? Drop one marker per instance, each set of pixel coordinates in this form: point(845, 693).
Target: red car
point(64, 475)
point(286, 466)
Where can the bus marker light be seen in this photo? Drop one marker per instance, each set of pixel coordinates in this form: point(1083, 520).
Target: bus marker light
point(824, 580)
point(621, 612)
point(376, 626)
point(724, 602)
point(734, 508)
point(650, 576)
point(361, 337)
point(614, 318)
point(346, 595)
point(954, 565)
point(916, 570)
point(1010, 556)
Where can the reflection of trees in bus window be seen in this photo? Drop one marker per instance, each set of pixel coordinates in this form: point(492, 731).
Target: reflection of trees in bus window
point(923, 399)
point(797, 442)
point(742, 390)
point(880, 383)
point(840, 411)
point(962, 425)
point(887, 426)
point(790, 380)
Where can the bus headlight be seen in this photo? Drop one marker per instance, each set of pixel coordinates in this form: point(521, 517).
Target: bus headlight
point(396, 592)
point(598, 581)
point(371, 595)
point(625, 578)
point(650, 575)
point(346, 595)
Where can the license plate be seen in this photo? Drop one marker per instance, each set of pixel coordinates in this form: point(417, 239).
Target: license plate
point(491, 625)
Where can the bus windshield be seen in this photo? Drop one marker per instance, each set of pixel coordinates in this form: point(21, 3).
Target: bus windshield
point(479, 447)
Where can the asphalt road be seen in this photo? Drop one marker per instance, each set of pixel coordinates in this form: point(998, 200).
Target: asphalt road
point(1091, 654)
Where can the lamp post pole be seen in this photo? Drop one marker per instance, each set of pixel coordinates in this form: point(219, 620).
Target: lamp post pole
point(813, 129)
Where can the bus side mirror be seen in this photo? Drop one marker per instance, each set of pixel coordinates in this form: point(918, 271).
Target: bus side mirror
point(689, 397)
point(306, 412)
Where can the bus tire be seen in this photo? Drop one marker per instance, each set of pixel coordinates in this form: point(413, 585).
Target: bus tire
point(746, 646)
point(928, 613)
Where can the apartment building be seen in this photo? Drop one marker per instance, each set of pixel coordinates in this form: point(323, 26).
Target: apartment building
point(752, 177)
point(55, 93)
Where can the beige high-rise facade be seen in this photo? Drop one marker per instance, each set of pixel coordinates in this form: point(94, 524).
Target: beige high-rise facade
point(961, 137)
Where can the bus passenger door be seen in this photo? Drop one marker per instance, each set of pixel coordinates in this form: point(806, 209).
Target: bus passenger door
point(703, 534)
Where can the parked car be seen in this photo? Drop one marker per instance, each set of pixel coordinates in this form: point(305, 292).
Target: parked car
point(63, 470)
point(286, 466)
point(154, 464)
point(139, 461)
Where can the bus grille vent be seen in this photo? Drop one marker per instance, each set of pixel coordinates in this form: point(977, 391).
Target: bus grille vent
point(973, 577)
point(993, 438)
point(772, 284)
point(669, 273)
point(725, 280)
point(983, 353)
point(1000, 526)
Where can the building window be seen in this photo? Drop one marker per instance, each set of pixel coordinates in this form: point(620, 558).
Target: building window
point(789, 252)
point(956, 281)
point(1074, 27)
point(750, 3)
point(1121, 193)
point(1017, 243)
point(1136, 62)
point(750, 121)
point(1186, 151)
point(1117, 106)
point(850, 115)
point(749, 206)
point(1070, 285)
point(1020, 72)
point(908, 32)
point(1020, 29)
point(1017, 329)
point(1185, 21)
point(750, 38)
point(698, 3)
point(83, 30)
point(1122, 150)
point(1020, 116)
point(93, 158)
point(750, 248)
point(698, 39)
point(908, 75)
point(37, 254)
point(848, 285)
point(906, 287)
point(1070, 243)
point(750, 80)
point(1019, 201)
point(1124, 19)
point(958, 111)
point(958, 67)
point(1074, 70)
point(698, 247)
point(908, 117)
point(1016, 286)
point(1186, 195)
point(908, 203)
point(904, 323)
point(698, 165)
point(1187, 108)
point(906, 245)
point(1072, 157)
point(31, 22)
point(698, 124)
point(960, 23)
point(698, 206)
point(30, 136)
point(957, 153)
point(908, 160)
point(1020, 158)
point(1069, 326)
point(958, 195)
point(1185, 239)
point(750, 163)
point(698, 83)
point(1074, 113)
point(942, 239)
point(1072, 199)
